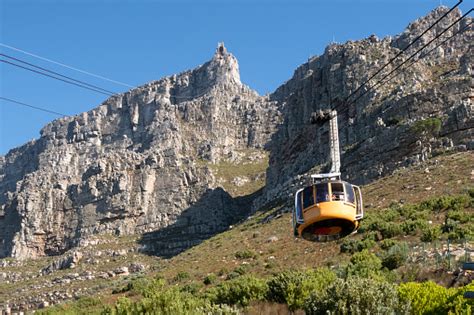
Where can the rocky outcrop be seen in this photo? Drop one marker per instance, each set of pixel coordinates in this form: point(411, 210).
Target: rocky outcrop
point(133, 164)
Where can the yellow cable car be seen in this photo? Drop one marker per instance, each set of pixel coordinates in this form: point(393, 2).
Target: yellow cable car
point(328, 209)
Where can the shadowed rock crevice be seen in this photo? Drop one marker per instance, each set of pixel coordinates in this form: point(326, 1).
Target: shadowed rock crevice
point(213, 213)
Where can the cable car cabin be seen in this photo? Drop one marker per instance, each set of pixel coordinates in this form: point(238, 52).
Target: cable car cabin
point(328, 209)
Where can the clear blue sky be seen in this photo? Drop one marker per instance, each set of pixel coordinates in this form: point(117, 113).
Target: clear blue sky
point(142, 40)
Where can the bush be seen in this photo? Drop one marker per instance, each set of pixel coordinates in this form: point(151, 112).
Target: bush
point(237, 272)
point(364, 265)
point(182, 275)
point(458, 224)
point(430, 234)
point(396, 256)
point(294, 287)
point(390, 229)
point(386, 244)
point(464, 232)
point(430, 298)
point(411, 227)
point(353, 246)
point(192, 288)
point(169, 301)
point(210, 279)
point(356, 296)
point(372, 235)
point(245, 254)
point(240, 291)
point(145, 287)
point(427, 127)
point(442, 203)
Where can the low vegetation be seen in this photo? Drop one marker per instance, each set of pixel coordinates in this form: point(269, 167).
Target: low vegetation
point(362, 288)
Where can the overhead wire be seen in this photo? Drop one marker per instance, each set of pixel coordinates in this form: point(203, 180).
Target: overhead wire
point(32, 106)
point(58, 74)
point(411, 56)
point(76, 82)
point(53, 77)
point(402, 51)
point(66, 66)
point(461, 30)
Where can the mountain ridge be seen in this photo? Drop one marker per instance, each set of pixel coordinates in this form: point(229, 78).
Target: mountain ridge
point(142, 161)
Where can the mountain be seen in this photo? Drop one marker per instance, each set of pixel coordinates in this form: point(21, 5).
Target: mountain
point(135, 163)
point(155, 161)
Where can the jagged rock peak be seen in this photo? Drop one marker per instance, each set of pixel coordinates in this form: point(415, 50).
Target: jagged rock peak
point(224, 67)
point(418, 26)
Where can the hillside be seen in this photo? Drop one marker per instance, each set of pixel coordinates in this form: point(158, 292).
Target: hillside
point(261, 245)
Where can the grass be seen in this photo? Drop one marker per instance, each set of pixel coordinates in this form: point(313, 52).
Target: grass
point(252, 172)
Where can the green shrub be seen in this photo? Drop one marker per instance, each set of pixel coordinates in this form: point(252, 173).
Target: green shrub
point(386, 244)
point(430, 234)
point(210, 279)
point(442, 203)
point(390, 229)
point(356, 296)
point(232, 275)
point(245, 254)
point(470, 193)
point(237, 272)
point(353, 246)
point(459, 216)
point(145, 287)
point(430, 298)
point(182, 275)
point(462, 232)
point(164, 301)
point(364, 265)
point(458, 225)
point(239, 291)
point(374, 221)
point(411, 227)
point(427, 127)
point(294, 287)
point(192, 288)
point(372, 235)
point(396, 256)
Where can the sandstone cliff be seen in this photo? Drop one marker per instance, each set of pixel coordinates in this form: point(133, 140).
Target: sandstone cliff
point(133, 164)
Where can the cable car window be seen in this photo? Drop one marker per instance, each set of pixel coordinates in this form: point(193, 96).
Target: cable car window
point(308, 199)
point(299, 213)
point(322, 193)
point(349, 193)
point(337, 192)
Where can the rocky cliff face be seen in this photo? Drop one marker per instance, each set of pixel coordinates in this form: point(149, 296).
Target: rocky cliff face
point(387, 128)
point(138, 163)
point(134, 164)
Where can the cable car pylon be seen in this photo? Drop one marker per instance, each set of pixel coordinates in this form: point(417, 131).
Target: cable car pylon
point(329, 208)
